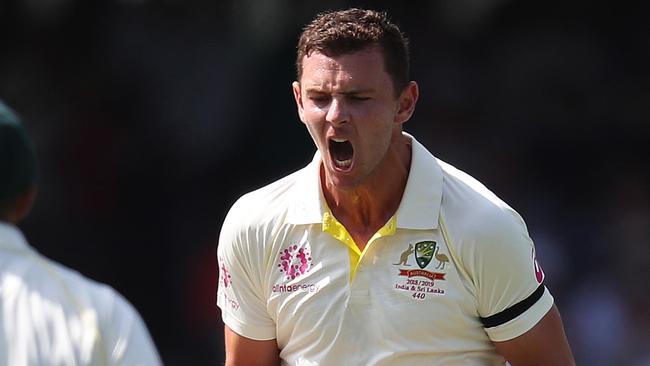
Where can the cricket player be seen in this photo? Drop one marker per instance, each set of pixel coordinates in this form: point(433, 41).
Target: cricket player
point(376, 252)
point(49, 314)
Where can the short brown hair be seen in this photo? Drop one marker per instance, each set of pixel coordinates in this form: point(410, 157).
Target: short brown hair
point(342, 32)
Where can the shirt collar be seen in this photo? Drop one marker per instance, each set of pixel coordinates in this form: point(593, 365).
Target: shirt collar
point(422, 196)
point(307, 203)
point(11, 237)
point(420, 204)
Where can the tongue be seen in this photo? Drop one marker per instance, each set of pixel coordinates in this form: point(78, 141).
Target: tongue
point(341, 151)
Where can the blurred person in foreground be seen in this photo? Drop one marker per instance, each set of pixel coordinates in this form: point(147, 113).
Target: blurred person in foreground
point(377, 253)
point(49, 314)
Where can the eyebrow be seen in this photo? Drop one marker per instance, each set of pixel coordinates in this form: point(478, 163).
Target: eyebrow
point(349, 92)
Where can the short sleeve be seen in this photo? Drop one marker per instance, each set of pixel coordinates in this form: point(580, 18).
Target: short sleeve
point(239, 290)
point(511, 296)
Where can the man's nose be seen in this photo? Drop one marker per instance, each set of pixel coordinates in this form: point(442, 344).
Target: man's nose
point(337, 112)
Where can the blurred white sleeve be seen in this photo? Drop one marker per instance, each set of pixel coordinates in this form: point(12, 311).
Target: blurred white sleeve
point(124, 336)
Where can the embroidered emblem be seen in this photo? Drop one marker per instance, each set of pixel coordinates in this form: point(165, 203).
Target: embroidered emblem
point(404, 257)
point(424, 252)
point(421, 282)
point(295, 261)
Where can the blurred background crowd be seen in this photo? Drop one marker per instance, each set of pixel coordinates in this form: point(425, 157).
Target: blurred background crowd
point(152, 117)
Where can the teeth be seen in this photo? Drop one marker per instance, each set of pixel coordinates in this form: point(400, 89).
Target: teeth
point(339, 140)
point(343, 163)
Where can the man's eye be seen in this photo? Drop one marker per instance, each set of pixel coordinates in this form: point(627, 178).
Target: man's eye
point(319, 98)
point(358, 98)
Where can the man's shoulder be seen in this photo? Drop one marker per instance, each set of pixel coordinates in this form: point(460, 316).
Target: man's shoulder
point(61, 297)
point(269, 202)
point(276, 191)
point(479, 224)
point(469, 201)
point(260, 214)
point(32, 277)
point(26, 272)
point(46, 276)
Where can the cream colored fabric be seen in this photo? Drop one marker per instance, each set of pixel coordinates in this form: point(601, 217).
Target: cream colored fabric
point(457, 253)
point(51, 315)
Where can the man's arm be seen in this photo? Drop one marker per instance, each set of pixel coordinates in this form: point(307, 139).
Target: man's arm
point(544, 344)
point(242, 351)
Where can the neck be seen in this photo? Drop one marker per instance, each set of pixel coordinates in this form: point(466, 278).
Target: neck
point(366, 208)
point(7, 218)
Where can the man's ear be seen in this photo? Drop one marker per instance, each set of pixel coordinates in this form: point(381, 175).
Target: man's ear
point(298, 98)
point(21, 206)
point(406, 102)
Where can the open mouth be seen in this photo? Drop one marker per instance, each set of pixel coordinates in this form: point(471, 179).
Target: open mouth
point(341, 151)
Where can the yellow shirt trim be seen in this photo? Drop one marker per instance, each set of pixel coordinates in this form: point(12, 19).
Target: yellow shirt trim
point(333, 227)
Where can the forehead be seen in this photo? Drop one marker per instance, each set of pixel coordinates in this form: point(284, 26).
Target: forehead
point(362, 67)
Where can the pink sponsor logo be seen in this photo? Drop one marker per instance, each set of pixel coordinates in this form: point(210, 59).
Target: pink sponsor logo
point(539, 273)
point(224, 274)
point(295, 261)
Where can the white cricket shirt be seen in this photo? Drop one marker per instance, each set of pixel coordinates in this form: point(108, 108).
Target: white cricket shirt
point(51, 315)
point(451, 272)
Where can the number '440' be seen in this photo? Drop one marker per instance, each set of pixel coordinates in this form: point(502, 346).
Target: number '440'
point(419, 295)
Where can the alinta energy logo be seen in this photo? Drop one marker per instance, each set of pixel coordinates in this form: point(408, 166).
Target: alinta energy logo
point(295, 261)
